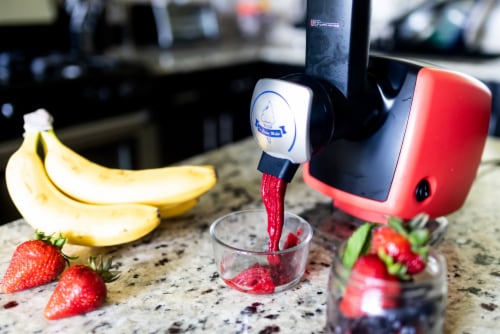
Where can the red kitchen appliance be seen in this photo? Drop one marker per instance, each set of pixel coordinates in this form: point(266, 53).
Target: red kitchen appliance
point(381, 136)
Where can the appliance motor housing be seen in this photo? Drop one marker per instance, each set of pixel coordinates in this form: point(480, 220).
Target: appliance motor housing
point(422, 159)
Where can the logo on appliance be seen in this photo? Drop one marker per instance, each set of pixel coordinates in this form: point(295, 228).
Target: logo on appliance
point(265, 123)
point(316, 23)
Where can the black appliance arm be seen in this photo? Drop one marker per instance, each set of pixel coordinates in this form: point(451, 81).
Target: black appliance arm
point(337, 44)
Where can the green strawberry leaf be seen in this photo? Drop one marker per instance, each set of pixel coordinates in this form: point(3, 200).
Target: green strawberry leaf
point(56, 241)
point(357, 244)
point(394, 268)
point(422, 251)
point(397, 225)
point(419, 237)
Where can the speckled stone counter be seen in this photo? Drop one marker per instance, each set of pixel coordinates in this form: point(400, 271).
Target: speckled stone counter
point(169, 282)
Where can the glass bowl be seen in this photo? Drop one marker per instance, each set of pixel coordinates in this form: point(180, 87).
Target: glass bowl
point(241, 250)
point(387, 307)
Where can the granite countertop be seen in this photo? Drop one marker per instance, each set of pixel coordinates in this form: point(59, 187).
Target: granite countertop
point(169, 282)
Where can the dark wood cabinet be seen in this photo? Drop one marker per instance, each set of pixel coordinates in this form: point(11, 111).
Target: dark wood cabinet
point(207, 109)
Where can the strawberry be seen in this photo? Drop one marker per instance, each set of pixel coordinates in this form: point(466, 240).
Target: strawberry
point(35, 262)
point(370, 287)
point(81, 289)
point(403, 247)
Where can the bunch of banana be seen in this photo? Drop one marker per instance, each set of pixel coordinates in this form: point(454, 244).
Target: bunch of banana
point(88, 203)
point(89, 182)
point(47, 209)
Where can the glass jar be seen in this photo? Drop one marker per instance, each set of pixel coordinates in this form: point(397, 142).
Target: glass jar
point(240, 242)
point(387, 307)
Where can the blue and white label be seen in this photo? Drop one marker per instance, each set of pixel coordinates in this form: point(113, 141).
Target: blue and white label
point(274, 114)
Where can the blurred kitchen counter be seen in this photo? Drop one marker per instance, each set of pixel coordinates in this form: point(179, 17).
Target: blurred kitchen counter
point(211, 55)
point(169, 282)
point(288, 50)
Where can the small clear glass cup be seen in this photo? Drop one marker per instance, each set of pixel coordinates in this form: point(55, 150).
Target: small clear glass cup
point(385, 307)
point(240, 246)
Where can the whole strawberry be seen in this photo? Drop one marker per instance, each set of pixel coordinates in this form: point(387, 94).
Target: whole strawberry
point(81, 289)
point(35, 262)
point(370, 288)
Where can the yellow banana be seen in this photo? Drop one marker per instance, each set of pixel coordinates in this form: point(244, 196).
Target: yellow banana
point(174, 210)
point(90, 182)
point(45, 208)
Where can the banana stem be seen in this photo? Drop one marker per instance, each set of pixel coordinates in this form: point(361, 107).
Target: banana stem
point(39, 120)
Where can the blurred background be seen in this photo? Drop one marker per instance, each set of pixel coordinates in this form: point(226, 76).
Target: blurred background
point(36, 27)
point(145, 83)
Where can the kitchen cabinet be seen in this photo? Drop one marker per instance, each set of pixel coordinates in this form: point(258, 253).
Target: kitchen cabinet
point(206, 109)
